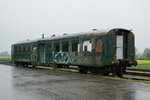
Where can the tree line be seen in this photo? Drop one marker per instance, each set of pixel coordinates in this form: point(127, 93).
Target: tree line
point(4, 54)
point(143, 56)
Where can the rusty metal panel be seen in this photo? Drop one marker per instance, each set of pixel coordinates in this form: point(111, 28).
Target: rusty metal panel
point(99, 45)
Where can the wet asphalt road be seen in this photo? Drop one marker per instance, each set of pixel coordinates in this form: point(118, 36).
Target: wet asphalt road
point(18, 83)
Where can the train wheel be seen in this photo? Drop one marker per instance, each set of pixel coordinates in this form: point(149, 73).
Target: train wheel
point(104, 71)
point(119, 74)
point(33, 65)
point(23, 64)
point(94, 70)
point(16, 63)
point(82, 70)
point(54, 65)
point(26, 65)
point(66, 66)
point(59, 66)
point(106, 74)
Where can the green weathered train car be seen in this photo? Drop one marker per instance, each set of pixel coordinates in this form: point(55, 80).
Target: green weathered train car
point(99, 51)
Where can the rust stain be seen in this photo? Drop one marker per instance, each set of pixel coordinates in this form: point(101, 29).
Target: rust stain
point(99, 45)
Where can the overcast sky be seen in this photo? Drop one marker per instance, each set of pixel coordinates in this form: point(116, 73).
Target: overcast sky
point(29, 19)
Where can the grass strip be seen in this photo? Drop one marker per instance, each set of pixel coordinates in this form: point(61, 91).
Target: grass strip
point(140, 67)
point(5, 58)
point(143, 62)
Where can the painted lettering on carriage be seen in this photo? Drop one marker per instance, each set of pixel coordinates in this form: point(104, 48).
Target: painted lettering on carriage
point(61, 57)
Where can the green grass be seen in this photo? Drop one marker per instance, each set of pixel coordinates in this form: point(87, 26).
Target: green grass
point(146, 67)
point(143, 62)
point(5, 58)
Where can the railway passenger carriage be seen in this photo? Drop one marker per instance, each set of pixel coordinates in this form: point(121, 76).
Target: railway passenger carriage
point(99, 51)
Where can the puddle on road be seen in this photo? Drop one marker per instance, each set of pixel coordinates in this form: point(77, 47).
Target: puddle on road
point(142, 95)
point(7, 90)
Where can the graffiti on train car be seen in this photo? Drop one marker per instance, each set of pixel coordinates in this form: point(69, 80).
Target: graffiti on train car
point(61, 57)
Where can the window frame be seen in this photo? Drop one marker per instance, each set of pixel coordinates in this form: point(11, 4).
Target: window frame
point(15, 49)
point(78, 45)
point(90, 41)
point(55, 48)
point(24, 49)
point(48, 47)
point(63, 46)
point(29, 48)
point(20, 49)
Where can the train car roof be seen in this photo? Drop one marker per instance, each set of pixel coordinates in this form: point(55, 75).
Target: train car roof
point(70, 36)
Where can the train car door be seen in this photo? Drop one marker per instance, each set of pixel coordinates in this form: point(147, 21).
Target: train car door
point(119, 47)
point(42, 53)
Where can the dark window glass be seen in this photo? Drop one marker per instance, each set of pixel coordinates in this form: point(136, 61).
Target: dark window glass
point(49, 46)
point(29, 48)
point(15, 49)
point(24, 48)
point(56, 47)
point(85, 48)
point(75, 46)
point(19, 48)
point(65, 46)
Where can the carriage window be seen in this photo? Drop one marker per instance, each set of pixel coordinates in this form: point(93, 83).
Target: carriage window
point(24, 48)
point(56, 47)
point(75, 46)
point(99, 45)
point(65, 47)
point(87, 46)
point(19, 48)
point(29, 48)
point(49, 47)
point(34, 49)
point(15, 49)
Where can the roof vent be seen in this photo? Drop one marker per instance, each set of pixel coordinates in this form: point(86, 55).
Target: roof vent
point(95, 29)
point(42, 35)
point(65, 34)
point(53, 35)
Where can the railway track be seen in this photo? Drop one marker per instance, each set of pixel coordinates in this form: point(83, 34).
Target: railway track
point(138, 74)
point(142, 70)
